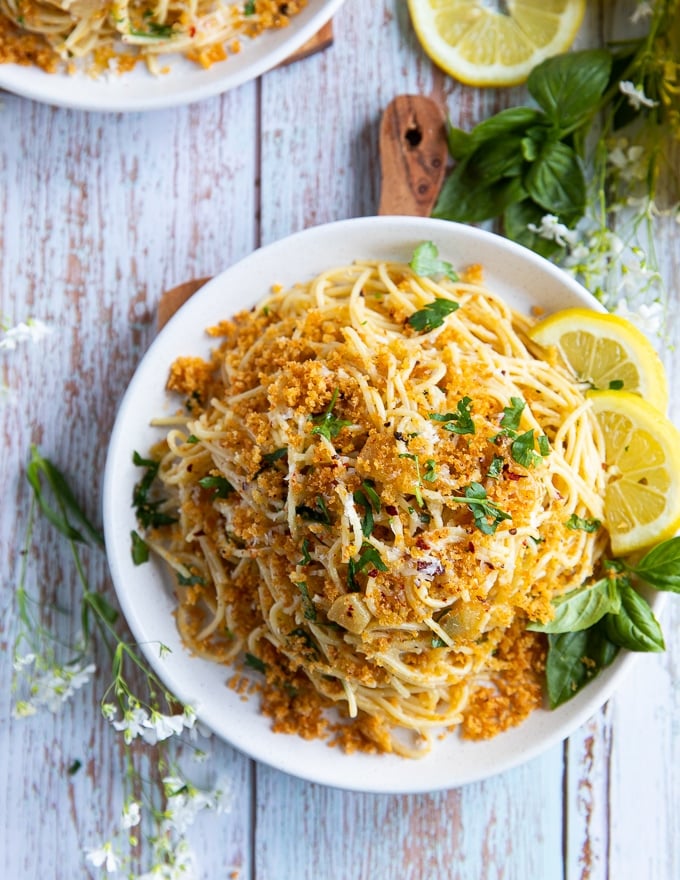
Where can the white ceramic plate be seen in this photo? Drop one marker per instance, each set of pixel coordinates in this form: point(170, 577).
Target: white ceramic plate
point(146, 593)
point(185, 83)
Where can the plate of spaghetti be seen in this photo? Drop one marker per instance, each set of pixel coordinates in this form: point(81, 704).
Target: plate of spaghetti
point(132, 56)
point(351, 482)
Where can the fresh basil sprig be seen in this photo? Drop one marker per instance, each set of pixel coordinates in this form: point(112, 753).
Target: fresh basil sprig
point(592, 622)
point(525, 162)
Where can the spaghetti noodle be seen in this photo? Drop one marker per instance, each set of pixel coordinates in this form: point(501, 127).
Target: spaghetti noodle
point(372, 490)
point(48, 32)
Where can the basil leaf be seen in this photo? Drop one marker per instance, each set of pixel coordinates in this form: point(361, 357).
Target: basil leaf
point(516, 220)
point(460, 142)
point(307, 603)
point(512, 120)
point(634, 626)
point(574, 659)
point(221, 485)
point(555, 180)
point(660, 567)
point(467, 198)
point(581, 608)
point(569, 86)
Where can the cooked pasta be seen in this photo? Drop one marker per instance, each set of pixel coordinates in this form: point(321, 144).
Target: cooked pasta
point(118, 33)
point(372, 488)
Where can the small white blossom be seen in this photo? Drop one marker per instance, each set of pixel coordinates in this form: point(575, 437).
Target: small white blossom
point(32, 330)
point(551, 229)
point(132, 815)
point(647, 317)
point(642, 10)
point(172, 863)
point(51, 686)
point(132, 724)
point(636, 96)
point(103, 856)
point(165, 726)
point(108, 711)
point(21, 662)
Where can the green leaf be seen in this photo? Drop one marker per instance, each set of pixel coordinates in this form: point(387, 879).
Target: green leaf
point(634, 627)
point(585, 524)
point(326, 424)
point(495, 467)
point(555, 180)
point(467, 198)
point(460, 142)
point(574, 659)
point(516, 220)
point(569, 86)
point(139, 549)
point(512, 415)
point(147, 511)
point(430, 473)
point(270, 457)
point(459, 422)
point(582, 607)
point(221, 485)
point(65, 512)
point(318, 514)
point(426, 263)
point(306, 558)
point(487, 515)
point(660, 567)
point(101, 606)
point(523, 449)
point(368, 555)
point(432, 315)
point(512, 120)
point(307, 604)
point(255, 663)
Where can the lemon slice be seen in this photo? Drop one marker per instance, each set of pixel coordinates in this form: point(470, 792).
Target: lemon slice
point(607, 351)
point(642, 498)
point(482, 47)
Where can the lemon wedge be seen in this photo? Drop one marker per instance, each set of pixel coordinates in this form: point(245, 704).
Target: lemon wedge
point(483, 47)
point(642, 498)
point(607, 351)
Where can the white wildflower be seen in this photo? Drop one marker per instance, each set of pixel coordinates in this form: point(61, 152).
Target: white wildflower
point(32, 330)
point(132, 724)
point(103, 856)
point(132, 815)
point(648, 317)
point(172, 863)
point(21, 662)
point(551, 229)
point(50, 686)
point(636, 96)
point(165, 726)
point(642, 10)
point(108, 711)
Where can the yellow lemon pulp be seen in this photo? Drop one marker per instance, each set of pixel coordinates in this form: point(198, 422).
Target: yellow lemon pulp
point(483, 47)
point(642, 499)
point(603, 349)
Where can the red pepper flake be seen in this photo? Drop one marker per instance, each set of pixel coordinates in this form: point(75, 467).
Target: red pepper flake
point(512, 476)
point(373, 573)
point(391, 509)
point(471, 547)
point(422, 544)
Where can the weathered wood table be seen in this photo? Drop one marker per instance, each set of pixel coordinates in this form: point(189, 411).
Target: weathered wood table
point(98, 215)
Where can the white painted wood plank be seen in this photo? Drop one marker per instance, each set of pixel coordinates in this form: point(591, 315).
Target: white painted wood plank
point(97, 216)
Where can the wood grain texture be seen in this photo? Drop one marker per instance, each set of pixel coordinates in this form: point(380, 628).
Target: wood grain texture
point(98, 215)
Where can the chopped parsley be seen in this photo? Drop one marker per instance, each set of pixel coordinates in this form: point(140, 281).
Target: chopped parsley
point(495, 467)
point(430, 470)
point(368, 555)
point(255, 663)
point(306, 558)
point(512, 415)
point(326, 424)
point(432, 315)
point(416, 488)
point(140, 549)
point(459, 422)
point(487, 515)
point(221, 485)
point(583, 523)
point(523, 451)
point(616, 385)
point(148, 513)
point(426, 263)
point(369, 499)
point(307, 604)
point(318, 514)
point(249, 7)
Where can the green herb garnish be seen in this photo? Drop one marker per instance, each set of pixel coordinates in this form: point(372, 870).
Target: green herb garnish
point(458, 422)
point(432, 315)
point(326, 424)
point(487, 515)
point(426, 263)
point(583, 523)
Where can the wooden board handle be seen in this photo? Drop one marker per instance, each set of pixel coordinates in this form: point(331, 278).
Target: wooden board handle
point(413, 153)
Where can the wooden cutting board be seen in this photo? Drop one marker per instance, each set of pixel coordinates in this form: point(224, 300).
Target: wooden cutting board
point(413, 154)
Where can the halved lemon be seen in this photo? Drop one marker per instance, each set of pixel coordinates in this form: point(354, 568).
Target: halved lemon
point(642, 499)
point(484, 47)
point(607, 351)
